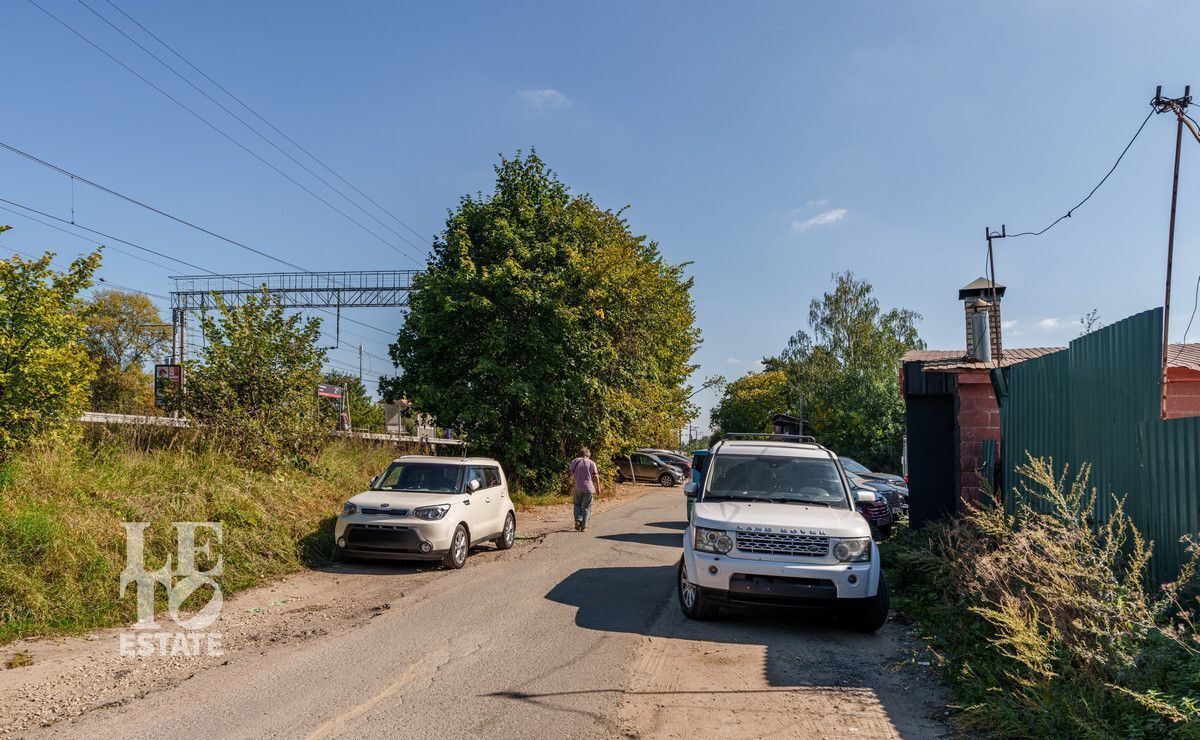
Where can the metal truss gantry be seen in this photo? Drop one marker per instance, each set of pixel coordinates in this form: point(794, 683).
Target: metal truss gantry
point(324, 290)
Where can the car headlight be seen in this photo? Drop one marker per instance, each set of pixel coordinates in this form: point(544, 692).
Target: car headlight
point(431, 513)
point(349, 509)
point(712, 540)
point(853, 550)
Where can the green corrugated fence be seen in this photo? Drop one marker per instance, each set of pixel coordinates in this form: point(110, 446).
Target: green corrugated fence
point(1098, 402)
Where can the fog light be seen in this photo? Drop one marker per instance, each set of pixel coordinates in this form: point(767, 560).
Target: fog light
point(426, 547)
point(341, 541)
point(712, 569)
point(852, 579)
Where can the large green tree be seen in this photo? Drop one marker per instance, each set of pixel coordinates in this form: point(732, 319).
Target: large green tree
point(44, 371)
point(747, 403)
point(124, 331)
point(844, 375)
point(256, 380)
point(544, 323)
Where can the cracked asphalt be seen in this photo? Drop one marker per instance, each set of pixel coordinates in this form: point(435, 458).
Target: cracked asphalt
point(568, 635)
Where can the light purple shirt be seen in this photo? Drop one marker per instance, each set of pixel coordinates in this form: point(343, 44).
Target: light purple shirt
point(583, 469)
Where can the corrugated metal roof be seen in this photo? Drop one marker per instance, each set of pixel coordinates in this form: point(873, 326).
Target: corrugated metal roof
point(946, 360)
point(943, 360)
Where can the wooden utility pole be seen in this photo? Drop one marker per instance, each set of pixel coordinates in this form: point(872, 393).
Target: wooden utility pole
point(1177, 106)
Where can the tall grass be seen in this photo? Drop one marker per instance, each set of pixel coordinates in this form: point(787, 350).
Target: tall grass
point(62, 510)
point(1045, 621)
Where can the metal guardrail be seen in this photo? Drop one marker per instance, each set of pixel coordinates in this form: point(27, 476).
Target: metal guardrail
point(93, 417)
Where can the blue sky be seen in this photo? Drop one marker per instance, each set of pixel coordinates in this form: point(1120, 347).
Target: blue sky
point(770, 144)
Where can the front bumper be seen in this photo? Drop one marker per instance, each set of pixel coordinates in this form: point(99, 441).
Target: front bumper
point(781, 583)
point(375, 537)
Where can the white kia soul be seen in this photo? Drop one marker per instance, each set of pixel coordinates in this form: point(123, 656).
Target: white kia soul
point(429, 508)
point(774, 524)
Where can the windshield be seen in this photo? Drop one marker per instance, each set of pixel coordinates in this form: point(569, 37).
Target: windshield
point(853, 465)
point(775, 478)
point(421, 477)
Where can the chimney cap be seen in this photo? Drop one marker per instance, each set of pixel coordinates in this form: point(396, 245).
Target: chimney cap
point(979, 288)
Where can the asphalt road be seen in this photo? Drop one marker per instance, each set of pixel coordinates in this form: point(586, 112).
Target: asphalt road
point(574, 635)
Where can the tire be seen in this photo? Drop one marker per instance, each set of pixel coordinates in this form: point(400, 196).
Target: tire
point(692, 601)
point(885, 531)
point(666, 480)
point(509, 534)
point(460, 543)
point(873, 613)
point(620, 476)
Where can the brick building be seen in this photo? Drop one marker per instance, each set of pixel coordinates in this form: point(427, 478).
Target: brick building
point(951, 416)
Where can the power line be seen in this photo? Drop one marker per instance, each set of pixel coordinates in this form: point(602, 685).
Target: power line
point(214, 127)
point(160, 254)
point(255, 113)
point(1093, 191)
point(254, 130)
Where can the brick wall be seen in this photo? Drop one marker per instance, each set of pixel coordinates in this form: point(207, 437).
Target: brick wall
point(1183, 393)
point(977, 417)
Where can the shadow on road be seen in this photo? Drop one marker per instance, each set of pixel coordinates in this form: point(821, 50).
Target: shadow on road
point(663, 539)
point(801, 650)
point(681, 525)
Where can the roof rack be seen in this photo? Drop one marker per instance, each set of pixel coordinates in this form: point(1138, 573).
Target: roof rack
point(773, 437)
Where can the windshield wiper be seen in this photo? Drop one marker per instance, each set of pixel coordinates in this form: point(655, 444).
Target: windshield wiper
point(803, 502)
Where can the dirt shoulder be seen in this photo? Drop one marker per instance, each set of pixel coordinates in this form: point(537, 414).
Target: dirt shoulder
point(73, 675)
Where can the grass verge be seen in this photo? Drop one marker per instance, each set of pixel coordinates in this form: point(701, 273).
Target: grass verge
point(63, 509)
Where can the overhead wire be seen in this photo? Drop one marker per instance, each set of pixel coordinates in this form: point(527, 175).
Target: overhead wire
point(274, 128)
point(254, 130)
point(216, 128)
point(1086, 198)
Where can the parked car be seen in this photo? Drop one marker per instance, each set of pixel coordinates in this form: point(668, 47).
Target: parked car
point(699, 457)
point(878, 511)
point(853, 466)
point(646, 467)
point(429, 508)
point(671, 458)
point(775, 524)
point(896, 494)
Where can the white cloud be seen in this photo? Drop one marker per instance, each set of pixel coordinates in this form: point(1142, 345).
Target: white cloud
point(542, 100)
point(732, 361)
point(1052, 324)
point(825, 218)
point(817, 203)
point(1009, 324)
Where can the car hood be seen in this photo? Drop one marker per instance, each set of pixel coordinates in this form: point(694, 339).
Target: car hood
point(403, 499)
point(886, 478)
point(781, 518)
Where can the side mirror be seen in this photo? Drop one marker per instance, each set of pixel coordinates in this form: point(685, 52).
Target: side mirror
point(374, 481)
point(864, 497)
point(691, 488)
point(473, 486)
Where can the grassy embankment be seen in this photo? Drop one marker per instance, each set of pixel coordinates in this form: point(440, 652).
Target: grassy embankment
point(1044, 623)
point(62, 509)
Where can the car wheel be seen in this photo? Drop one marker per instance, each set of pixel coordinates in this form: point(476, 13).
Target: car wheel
point(509, 535)
point(666, 480)
point(456, 556)
point(692, 601)
point(873, 613)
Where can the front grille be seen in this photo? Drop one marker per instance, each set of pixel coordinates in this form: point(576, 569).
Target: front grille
point(770, 543)
point(388, 512)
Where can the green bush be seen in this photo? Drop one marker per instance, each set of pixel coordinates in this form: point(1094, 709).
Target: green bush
point(1043, 619)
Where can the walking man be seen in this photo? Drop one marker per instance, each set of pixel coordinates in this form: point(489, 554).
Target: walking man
point(585, 480)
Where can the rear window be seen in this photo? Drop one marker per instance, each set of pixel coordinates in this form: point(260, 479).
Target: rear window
point(776, 478)
point(422, 477)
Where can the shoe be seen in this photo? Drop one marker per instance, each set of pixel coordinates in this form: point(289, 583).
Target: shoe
point(578, 527)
